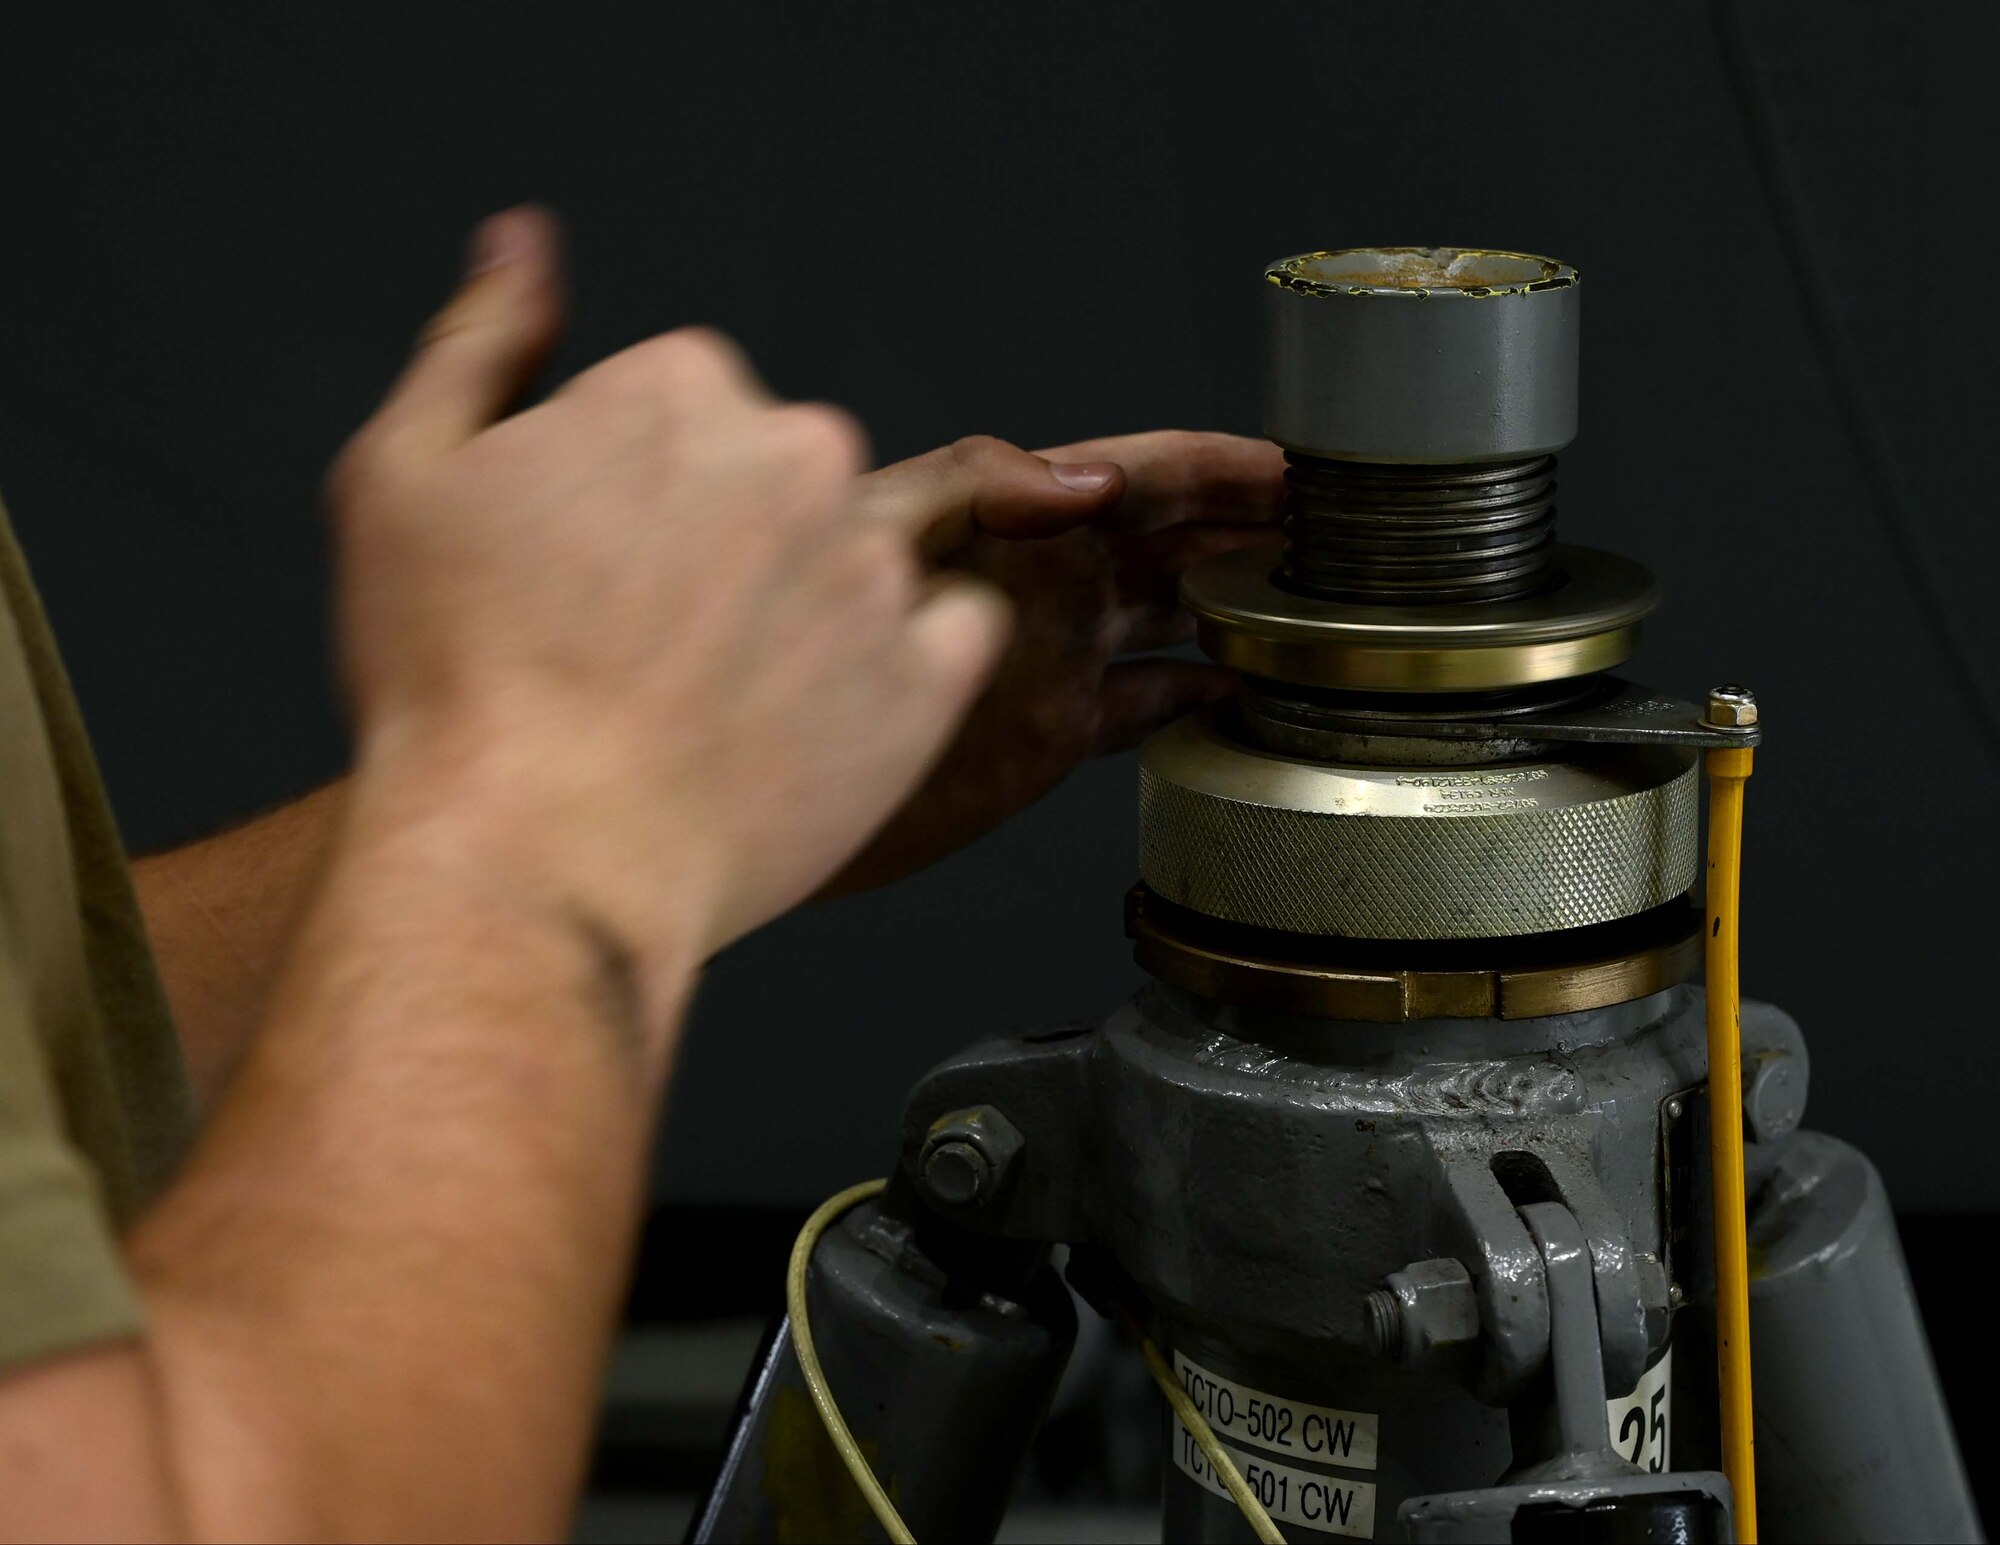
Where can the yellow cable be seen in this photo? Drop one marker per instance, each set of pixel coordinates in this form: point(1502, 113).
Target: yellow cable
point(1728, 768)
point(850, 1451)
point(802, 1348)
point(1204, 1436)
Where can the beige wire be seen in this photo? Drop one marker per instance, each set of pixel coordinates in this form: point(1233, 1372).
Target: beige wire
point(1204, 1435)
point(802, 1348)
point(857, 1463)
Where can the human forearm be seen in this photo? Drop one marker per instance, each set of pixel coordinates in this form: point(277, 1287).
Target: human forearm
point(385, 1282)
point(631, 674)
point(220, 913)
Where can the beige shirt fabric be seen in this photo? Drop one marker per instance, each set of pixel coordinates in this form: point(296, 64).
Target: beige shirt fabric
point(94, 1099)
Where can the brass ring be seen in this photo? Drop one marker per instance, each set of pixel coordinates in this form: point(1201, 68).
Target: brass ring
point(1589, 968)
point(1588, 622)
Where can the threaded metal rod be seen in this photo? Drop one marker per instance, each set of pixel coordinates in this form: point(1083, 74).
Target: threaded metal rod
point(1385, 1322)
point(1415, 535)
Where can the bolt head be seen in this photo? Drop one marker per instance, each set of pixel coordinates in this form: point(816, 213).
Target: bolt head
point(1676, 1295)
point(1674, 1108)
point(956, 1174)
point(1774, 1100)
point(1732, 707)
point(969, 1157)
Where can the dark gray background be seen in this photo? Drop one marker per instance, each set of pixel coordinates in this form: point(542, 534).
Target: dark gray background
point(223, 224)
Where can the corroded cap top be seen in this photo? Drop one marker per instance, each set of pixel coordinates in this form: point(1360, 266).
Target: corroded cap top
point(1476, 273)
point(1421, 354)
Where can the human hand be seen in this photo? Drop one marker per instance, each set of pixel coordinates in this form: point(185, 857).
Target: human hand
point(639, 650)
point(1089, 541)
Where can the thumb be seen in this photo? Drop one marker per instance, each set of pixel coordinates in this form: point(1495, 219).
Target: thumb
point(477, 356)
point(984, 484)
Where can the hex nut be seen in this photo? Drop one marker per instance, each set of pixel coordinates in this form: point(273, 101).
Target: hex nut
point(1732, 708)
point(1438, 1312)
point(969, 1157)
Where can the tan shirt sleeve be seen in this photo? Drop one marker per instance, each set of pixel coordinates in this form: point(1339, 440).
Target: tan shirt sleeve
point(67, 1132)
point(63, 1281)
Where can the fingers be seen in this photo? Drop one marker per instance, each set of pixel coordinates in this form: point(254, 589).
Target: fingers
point(1141, 632)
point(984, 484)
point(1148, 569)
point(479, 354)
point(1141, 696)
point(1150, 563)
point(1141, 482)
point(686, 373)
point(956, 634)
point(1175, 475)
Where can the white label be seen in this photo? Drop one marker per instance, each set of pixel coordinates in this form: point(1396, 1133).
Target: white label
point(1639, 1422)
point(1283, 1426)
point(1318, 1502)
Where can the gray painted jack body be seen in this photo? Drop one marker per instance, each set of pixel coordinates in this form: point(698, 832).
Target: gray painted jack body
point(1254, 1181)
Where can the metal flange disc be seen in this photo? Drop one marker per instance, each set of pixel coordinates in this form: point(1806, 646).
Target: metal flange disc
point(1588, 621)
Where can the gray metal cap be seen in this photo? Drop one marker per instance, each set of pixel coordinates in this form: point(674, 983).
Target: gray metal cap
point(1421, 354)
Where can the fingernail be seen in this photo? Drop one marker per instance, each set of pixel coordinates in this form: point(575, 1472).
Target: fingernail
point(1084, 477)
point(496, 240)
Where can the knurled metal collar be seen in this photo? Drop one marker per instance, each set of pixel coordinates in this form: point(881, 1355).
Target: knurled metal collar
point(1588, 621)
point(1250, 836)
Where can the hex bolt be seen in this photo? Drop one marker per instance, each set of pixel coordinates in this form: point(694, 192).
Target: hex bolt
point(969, 1157)
point(1731, 707)
point(956, 1173)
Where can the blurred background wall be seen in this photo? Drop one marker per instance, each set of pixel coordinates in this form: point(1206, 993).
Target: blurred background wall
point(224, 222)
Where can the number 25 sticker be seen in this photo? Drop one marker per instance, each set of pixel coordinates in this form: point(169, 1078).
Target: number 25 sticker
point(1639, 1422)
